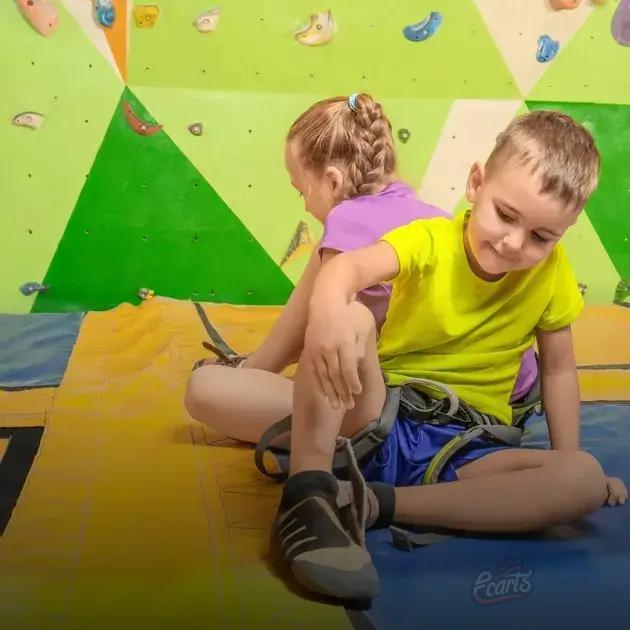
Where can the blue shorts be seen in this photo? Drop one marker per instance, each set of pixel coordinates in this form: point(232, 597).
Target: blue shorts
point(402, 459)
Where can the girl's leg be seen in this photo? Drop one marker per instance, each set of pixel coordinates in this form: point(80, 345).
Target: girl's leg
point(240, 403)
point(508, 491)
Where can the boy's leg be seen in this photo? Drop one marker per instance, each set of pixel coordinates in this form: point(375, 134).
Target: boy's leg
point(508, 491)
point(240, 403)
point(308, 531)
point(316, 424)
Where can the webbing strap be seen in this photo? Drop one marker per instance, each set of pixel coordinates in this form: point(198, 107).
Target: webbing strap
point(362, 443)
point(212, 331)
point(409, 539)
point(275, 430)
point(503, 433)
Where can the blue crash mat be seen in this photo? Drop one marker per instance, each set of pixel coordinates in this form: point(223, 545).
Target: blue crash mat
point(574, 576)
point(35, 348)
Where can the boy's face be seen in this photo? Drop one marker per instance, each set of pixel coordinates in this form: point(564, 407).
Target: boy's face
point(512, 224)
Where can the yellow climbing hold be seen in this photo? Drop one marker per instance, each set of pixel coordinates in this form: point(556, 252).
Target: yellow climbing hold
point(146, 15)
point(319, 31)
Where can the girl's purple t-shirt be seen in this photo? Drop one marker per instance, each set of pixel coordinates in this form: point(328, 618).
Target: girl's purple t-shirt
point(362, 221)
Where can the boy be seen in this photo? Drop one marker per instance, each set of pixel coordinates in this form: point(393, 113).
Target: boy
point(468, 298)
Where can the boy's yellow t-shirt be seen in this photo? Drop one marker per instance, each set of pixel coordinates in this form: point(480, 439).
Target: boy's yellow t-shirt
point(447, 324)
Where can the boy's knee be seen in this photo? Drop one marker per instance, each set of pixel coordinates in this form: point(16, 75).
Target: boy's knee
point(585, 481)
point(363, 318)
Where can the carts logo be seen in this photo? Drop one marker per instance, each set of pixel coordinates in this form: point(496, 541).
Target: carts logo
point(510, 580)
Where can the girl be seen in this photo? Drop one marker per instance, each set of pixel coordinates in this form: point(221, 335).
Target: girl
point(340, 158)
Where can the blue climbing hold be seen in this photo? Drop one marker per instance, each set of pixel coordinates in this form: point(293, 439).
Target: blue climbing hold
point(423, 30)
point(105, 13)
point(547, 49)
point(28, 288)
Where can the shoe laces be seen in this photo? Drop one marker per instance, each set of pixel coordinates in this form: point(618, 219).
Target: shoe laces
point(356, 514)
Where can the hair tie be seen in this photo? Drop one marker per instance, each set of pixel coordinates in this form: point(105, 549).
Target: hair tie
point(352, 101)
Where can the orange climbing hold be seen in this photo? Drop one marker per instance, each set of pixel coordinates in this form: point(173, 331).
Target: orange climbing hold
point(559, 5)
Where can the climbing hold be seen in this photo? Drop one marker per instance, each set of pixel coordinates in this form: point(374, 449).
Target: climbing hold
point(42, 15)
point(423, 30)
point(146, 15)
point(560, 5)
point(582, 288)
point(547, 49)
point(105, 12)
point(622, 293)
point(208, 20)
point(319, 30)
point(404, 135)
point(300, 244)
point(146, 294)
point(28, 288)
point(140, 126)
point(196, 129)
point(620, 26)
point(33, 120)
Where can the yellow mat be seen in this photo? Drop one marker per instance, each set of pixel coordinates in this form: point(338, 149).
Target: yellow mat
point(134, 515)
point(602, 351)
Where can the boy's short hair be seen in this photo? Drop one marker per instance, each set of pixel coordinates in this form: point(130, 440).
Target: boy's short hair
point(558, 148)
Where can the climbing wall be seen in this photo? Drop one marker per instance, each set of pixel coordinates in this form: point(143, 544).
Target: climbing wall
point(159, 160)
point(148, 154)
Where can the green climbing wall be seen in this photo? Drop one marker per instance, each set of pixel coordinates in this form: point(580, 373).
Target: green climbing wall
point(97, 211)
point(609, 209)
point(147, 218)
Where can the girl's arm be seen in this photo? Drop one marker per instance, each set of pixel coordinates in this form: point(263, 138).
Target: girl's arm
point(283, 345)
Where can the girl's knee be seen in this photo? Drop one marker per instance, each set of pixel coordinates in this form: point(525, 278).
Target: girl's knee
point(191, 397)
point(199, 396)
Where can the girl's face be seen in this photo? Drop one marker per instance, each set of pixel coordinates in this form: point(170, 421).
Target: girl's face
point(321, 192)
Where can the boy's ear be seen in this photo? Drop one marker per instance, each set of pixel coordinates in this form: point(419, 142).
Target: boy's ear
point(475, 180)
point(335, 179)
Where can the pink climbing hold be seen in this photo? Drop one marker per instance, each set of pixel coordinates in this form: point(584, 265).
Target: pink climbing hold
point(42, 15)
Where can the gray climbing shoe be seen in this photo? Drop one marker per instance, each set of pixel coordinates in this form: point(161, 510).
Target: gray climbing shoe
point(326, 556)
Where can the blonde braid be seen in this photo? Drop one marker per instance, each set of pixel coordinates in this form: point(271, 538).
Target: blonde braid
point(373, 148)
point(359, 141)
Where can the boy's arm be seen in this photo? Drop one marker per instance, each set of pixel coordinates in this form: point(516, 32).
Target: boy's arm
point(352, 272)
point(561, 397)
point(330, 341)
point(560, 388)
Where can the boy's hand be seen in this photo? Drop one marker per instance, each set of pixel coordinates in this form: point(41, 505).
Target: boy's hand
point(330, 351)
point(617, 491)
